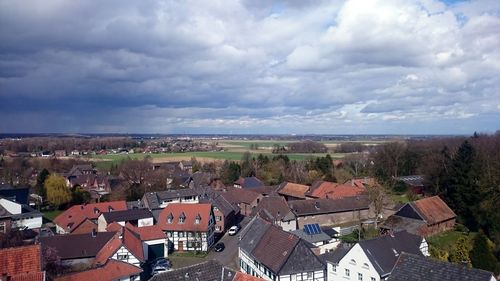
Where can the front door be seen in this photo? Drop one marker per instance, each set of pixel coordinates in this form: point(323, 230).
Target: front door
point(180, 246)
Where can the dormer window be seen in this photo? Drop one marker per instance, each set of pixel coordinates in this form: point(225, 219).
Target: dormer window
point(110, 209)
point(96, 211)
point(197, 219)
point(170, 218)
point(182, 218)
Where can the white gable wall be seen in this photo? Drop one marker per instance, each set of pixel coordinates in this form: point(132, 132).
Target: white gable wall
point(145, 222)
point(353, 263)
point(126, 256)
point(11, 207)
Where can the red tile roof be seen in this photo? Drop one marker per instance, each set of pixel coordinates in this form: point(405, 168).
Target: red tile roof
point(147, 233)
point(127, 239)
point(332, 190)
point(113, 270)
point(240, 276)
point(75, 215)
point(293, 189)
point(33, 276)
point(85, 227)
point(190, 211)
point(23, 263)
point(433, 210)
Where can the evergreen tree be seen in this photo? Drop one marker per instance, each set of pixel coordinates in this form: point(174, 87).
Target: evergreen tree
point(482, 255)
point(40, 180)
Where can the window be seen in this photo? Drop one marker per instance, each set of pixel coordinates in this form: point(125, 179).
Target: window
point(182, 219)
point(309, 275)
point(181, 234)
point(218, 218)
point(122, 256)
point(170, 217)
point(360, 277)
point(347, 272)
point(3, 227)
point(353, 262)
point(334, 268)
point(373, 279)
point(365, 265)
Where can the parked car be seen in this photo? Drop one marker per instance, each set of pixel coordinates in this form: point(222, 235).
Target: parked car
point(219, 247)
point(233, 230)
point(160, 265)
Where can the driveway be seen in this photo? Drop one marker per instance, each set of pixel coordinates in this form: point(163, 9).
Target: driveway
point(229, 257)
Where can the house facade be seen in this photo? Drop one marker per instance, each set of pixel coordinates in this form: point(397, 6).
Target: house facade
point(372, 259)
point(189, 227)
point(136, 217)
point(270, 253)
point(16, 215)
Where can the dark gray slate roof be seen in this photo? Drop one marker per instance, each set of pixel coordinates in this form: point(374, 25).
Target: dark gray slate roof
point(327, 206)
point(337, 254)
point(127, 215)
point(314, 238)
point(274, 208)
point(206, 271)
point(207, 195)
point(250, 182)
point(152, 200)
point(415, 268)
point(384, 251)
point(19, 195)
point(74, 246)
point(302, 259)
point(252, 233)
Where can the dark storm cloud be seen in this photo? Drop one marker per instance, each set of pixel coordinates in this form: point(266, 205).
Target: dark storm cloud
point(249, 66)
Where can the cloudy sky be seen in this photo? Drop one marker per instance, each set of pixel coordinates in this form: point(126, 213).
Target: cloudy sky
point(250, 66)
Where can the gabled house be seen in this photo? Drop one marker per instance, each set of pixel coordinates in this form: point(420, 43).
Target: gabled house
point(332, 190)
point(428, 216)
point(226, 214)
point(411, 267)
point(79, 250)
point(125, 246)
point(74, 217)
point(270, 253)
point(21, 264)
point(113, 270)
point(293, 191)
point(160, 199)
point(17, 215)
point(246, 199)
point(154, 240)
point(372, 259)
point(330, 211)
point(136, 217)
point(248, 182)
point(275, 210)
point(189, 227)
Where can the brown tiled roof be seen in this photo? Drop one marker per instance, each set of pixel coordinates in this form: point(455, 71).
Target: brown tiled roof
point(328, 206)
point(20, 262)
point(190, 212)
point(332, 190)
point(113, 270)
point(240, 195)
point(293, 189)
point(274, 208)
point(433, 210)
point(75, 215)
point(275, 247)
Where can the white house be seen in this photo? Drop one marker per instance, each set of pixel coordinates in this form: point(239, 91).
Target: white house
point(372, 259)
point(125, 246)
point(270, 253)
point(136, 217)
point(189, 227)
point(159, 200)
point(16, 215)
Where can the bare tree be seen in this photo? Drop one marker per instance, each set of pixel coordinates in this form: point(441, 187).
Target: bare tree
point(378, 198)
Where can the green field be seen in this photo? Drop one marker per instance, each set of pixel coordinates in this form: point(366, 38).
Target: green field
point(222, 155)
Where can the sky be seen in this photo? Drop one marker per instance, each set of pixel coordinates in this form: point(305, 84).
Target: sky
point(250, 66)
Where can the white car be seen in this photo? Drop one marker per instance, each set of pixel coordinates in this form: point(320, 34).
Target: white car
point(233, 230)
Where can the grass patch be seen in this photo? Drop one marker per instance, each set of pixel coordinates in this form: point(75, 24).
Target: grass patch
point(447, 240)
point(400, 198)
point(200, 255)
point(51, 215)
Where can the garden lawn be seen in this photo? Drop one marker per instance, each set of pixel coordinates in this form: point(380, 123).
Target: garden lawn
point(51, 215)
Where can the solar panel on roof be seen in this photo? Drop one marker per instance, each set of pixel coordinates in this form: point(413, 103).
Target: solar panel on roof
point(312, 229)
